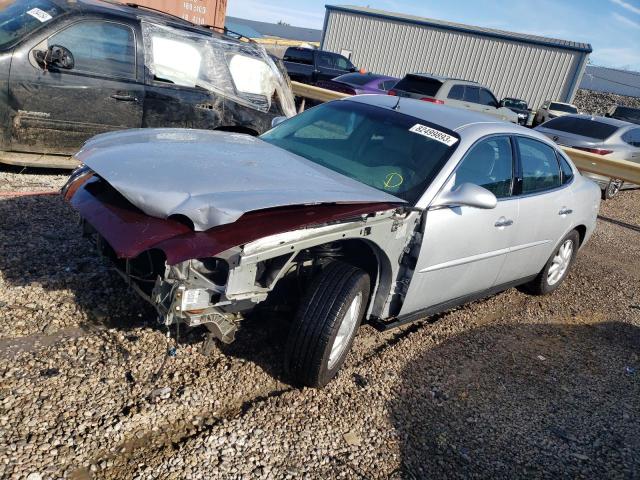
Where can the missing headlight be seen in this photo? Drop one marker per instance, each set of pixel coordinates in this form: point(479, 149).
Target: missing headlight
point(214, 269)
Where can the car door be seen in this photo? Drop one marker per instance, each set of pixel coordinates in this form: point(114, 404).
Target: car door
point(488, 103)
point(464, 248)
point(546, 208)
point(56, 109)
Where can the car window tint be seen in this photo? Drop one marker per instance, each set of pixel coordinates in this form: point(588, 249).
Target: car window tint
point(487, 98)
point(472, 94)
point(342, 63)
point(540, 170)
point(326, 60)
point(456, 92)
point(582, 126)
point(627, 114)
point(632, 137)
point(488, 164)
point(299, 55)
point(104, 48)
point(563, 107)
point(567, 171)
point(420, 85)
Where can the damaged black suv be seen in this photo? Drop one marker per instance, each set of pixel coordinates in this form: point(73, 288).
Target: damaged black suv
point(72, 69)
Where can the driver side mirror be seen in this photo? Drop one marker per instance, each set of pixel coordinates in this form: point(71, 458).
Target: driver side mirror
point(55, 56)
point(468, 195)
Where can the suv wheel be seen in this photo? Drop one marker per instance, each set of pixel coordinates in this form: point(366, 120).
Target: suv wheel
point(556, 269)
point(326, 324)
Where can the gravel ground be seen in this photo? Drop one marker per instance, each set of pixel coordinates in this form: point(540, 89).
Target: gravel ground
point(597, 103)
point(513, 386)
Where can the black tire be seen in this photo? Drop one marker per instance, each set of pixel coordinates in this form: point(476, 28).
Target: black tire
point(317, 322)
point(541, 284)
point(612, 189)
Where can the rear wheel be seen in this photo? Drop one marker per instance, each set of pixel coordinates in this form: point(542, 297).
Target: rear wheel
point(612, 189)
point(326, 324)
point(557, 268)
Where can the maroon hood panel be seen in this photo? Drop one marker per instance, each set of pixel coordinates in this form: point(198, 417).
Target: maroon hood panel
point(130, 232)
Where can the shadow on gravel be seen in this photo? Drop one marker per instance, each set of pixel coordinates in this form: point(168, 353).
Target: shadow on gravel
point(512, 401)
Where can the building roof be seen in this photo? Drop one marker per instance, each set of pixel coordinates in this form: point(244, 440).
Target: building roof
point(459, 27)
point(611, 80)
point(254, 29)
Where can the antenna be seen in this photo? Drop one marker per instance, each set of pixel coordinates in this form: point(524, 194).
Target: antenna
point(397, 105)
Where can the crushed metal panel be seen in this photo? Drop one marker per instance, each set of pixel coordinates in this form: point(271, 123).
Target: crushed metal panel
point(214, 177)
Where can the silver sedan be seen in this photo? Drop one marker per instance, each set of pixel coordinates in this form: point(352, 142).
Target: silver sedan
point(610, 137)
point(373, 208)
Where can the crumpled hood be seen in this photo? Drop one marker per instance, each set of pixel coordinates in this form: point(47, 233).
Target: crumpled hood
point(214, 177)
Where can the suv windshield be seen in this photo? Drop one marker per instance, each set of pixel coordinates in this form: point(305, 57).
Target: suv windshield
point(417, 84)
point(562, 107)
point(389, 151)
point(20, 17)
point(512, 103)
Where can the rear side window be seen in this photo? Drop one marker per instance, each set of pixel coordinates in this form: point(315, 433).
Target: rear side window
point(487, 98)
point(567, 172)
point(472, 94)
point(540, 170)
point(582, 126)
point(104, 48)
point(420, 85)
point(456, 92)
point(387, 84)
point(632, 137)
point(490, 165)
point(301, 55)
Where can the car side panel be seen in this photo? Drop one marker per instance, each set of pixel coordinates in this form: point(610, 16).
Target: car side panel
point(5, 64)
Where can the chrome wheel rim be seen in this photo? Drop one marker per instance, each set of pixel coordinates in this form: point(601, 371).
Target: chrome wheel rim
point(347, 326)
point(560, 263)
point(614, 188)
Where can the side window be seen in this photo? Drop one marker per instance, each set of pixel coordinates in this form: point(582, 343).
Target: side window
point(472, 94)
point(301, 55)
point(456, 92)
point(490, 165)
point(632, 137)
point(105, 48)
point(540, 170)
point(342, 63)
point(487, 98)
point(387, 84)
point(325, 60)
point(567, 172)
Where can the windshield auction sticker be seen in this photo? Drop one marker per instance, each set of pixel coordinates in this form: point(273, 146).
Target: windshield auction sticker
point(434, 134)
point(40, 15)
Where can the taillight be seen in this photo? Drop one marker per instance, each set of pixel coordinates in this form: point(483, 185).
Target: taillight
point(393, 93)
point(432, 100)
point(597, 151)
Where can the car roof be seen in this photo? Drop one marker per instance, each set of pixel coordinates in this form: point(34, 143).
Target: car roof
point(130, 11)
point(561, 103)
point(370, 76)
point(441, 78)
point(609, 121)
point(448, 117)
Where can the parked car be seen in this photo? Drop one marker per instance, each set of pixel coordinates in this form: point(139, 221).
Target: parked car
point(550, 110)
point(452, 92)
point(613, 138)
point(359, 83)
point(628, 114)
point(365, 204)
point(310, 66)
point(71, 70)
point(519, 107)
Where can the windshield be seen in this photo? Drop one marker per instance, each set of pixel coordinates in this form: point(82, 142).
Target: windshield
point(20, 17)
point(563, 107)
point(584, 127)
point(387, 150)
point(511, 103)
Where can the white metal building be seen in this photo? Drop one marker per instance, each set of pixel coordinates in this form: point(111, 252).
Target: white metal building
point(511, 64)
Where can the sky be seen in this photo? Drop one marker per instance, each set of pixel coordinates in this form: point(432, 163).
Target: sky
point(612, 27)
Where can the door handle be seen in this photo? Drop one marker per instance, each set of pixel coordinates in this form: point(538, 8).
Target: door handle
point(565, 211)
point(503, 222)
point(124, 98)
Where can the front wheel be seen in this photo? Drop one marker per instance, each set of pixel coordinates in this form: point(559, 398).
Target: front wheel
point(557, 268)
point(326, 324)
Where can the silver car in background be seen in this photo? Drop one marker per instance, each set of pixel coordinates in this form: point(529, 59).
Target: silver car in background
point(372, 208)
point(609, 137)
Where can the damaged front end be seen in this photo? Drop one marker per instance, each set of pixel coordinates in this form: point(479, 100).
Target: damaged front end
point(215, 277)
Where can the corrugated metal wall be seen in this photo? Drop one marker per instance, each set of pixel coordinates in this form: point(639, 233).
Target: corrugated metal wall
point(509, 68)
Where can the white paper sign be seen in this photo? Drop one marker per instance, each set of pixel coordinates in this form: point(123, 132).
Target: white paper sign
point(434, 134)
point(39, 14)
